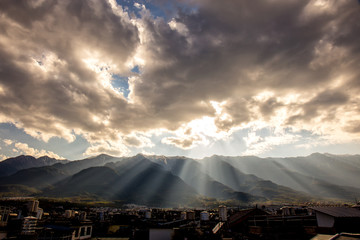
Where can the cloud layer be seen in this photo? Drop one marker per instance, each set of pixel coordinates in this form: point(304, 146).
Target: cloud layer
point(211, 69)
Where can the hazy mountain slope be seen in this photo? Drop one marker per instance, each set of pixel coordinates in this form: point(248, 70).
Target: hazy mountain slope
point(91, 181)
point(172, 181)
point(12, 165)
point(152, 182)
point(191, 172)
point(41, 177)
point(320, 188)
point(79, 165)
point(233, 177)
point(338, 170)
point(38, 178)
point(133, 180)
point(15, 190)
point(281, 173)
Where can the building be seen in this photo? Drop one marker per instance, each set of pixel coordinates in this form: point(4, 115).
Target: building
point(204, 216)
point(29, 226)
point(69, 213)
point(357, 206)
point(148, 214)
point(83, 231)
point(50, 232)
point(39, 213)
point(337, 219)
point(246, 220)
point(190, 215)
point(223, 213)
point(339, 236)
point(256, 223)
point(33, 206)
point(183, 216)
point(160, 234)
point(4, 215)
point(82, 216)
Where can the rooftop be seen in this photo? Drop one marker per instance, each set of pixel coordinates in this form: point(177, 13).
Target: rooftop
point(339, 236)
point(338, 211)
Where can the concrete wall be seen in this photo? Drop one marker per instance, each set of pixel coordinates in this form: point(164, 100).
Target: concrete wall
point(324, 220)
point(3, 235)
point(160, 234)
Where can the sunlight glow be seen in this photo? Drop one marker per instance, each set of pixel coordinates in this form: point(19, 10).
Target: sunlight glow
point(100, 120)
point(263, 96)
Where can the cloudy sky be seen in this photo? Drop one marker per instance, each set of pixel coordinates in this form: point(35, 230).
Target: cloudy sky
point(186, 77)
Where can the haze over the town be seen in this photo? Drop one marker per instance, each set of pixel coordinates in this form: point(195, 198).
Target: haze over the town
point(187, 77)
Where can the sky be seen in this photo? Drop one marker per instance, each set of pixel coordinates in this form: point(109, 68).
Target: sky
point(270, 78)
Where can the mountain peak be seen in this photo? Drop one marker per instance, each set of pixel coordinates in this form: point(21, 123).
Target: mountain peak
point(12, 165)
point(102, 155)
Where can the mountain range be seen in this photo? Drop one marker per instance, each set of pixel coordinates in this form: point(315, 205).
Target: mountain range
point(179, 181)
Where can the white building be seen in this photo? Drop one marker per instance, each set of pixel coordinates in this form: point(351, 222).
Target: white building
point(83, 232)
point(223, 213)
point(204, 216)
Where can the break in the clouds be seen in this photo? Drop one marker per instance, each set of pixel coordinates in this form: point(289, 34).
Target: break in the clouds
point(150, 76)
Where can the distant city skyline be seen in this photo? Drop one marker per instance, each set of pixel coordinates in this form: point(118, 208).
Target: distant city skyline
point(273, 78)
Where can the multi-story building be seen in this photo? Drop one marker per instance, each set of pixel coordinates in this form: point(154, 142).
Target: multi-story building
point(29, 225)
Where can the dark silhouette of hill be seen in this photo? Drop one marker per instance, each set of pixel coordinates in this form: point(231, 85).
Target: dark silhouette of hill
point(38, 178)
point(12, 165)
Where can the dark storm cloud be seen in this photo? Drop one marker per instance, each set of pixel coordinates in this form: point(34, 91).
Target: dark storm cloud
point(353, 127)
point(57, 36)
point(326, 102)
point(242, 48)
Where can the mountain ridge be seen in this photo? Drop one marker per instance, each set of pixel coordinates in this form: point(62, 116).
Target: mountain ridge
point(14, 164)
point(151, 179)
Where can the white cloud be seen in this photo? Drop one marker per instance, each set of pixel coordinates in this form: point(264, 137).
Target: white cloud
point(108, 147)
point(187, 142)
point(202, 75)
point(256, 145)
point(23, 148)
point(327, 54)
point(3, 157)
point(138, 5)
point(7, 142)
point(179, 27)
point(138, 141)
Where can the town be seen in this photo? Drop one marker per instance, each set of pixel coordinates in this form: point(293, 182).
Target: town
point(30, 218)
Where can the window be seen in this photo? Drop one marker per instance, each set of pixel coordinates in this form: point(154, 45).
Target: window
point(82, 231)
point(88, 231)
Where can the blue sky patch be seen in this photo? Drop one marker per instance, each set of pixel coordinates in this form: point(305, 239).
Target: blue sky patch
point(135, 69)
point(121, 84)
